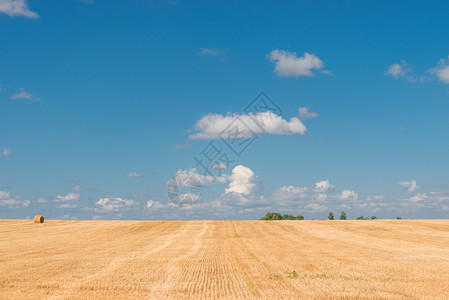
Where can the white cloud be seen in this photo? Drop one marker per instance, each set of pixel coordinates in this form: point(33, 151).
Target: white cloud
point(134, 175)
point(348, 195)
point(323, 186)
point(22, 94)
point(402, 70)
point(211, 126)
point(113, 204)
point(154, 204)
point(243, 181)
point(182, 146)
point(12, 201)
point(15, 8)
point(5, 151)
point(398, 70)
point(193, 178)
point(305, 114)
point(287, 194)
point(315, 207)
point(411, 185)
point(68, 197)
point(209, 51)
point(418, 197)
point(67, 205)
point(42, 200)
point(15, 203)
point(77, 188)
point(4, 195)
point(288, 64)
point(441, 70)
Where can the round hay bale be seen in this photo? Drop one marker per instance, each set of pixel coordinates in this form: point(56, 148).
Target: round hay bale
point(38, 219)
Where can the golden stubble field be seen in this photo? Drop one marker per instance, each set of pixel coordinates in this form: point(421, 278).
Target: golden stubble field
point(224, 259)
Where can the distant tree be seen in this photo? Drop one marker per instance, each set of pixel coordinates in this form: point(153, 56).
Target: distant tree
point(331, 216)
point(272, 216)
point(373, 217)
point(399, 218)
point(299, 217)
point(343, 216)
point(276, 216)
point(288, 217)
point(361, 218)
point(267, 216)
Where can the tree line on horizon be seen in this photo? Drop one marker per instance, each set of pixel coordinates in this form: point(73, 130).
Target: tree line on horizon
point(274, 216)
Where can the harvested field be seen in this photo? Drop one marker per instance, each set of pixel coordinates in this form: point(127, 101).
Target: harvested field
point(224, 259)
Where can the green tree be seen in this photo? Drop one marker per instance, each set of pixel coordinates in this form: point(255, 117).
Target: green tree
point(399, 218)
point(343, 215)
point(272, 216)
point(299, 217)
point(331, 216)
point(361, 218)
point(288, 217)
point(373, 217)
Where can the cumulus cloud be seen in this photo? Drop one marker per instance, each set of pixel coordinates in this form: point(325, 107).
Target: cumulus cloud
point(113, 204)
point(22, 94)
point(410, 185)
point(6, 199)
point(323, 186)
point(288, 64)
point(418, 197)
point(348, 195)
point(441, 70)
point(68, 197)
point(288, 194)
point(134, 175)
point(14, 8)
point(211, 126)
point(305, 114)
point(5, 151)
point(242, 181)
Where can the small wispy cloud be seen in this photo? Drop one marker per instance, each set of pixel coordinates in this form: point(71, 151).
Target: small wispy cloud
point(134, 175)
point(6, 199)
point(68, 197)
point(410, 185)
point(16, 8)
point(441, 70)
point(5, 151)
point(110, 204)
point(42, 200)
point(67, 206)
point(182, 146)
point(209, 51)
point(289, 64)
point(398, 70)
point(23, 94)
point(305, 114)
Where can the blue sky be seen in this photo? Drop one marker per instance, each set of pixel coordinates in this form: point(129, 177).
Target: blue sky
point(103, 102)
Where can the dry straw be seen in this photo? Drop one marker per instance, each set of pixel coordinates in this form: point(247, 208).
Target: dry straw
point(38, 219)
